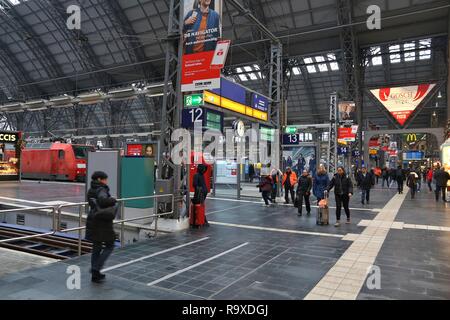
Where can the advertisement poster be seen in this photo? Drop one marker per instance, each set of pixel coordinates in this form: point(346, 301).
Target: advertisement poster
point(347, 111)
point(347, 134)
point(141, 150)
point(300, 158)
point(202, 28)
point(401, 102)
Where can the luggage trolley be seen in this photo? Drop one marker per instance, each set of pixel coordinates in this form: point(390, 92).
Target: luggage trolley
point(323, 211)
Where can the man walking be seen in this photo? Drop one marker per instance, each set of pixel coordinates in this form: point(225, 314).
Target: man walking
point(399, 176)
point(304, 192)
point(365, 181)
point(441, 178)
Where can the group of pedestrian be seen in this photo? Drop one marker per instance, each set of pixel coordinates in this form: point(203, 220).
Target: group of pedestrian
point(298, 189)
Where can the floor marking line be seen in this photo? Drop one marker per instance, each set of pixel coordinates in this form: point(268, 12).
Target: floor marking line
point(152, 255)
point(243, 226)
point(22, 200)
point(223, 210)
point(287, 205)
point(196, 265)
point(249, 273)
point(346, 278)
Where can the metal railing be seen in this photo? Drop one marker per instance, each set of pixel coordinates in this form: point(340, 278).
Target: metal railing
point(57, 213)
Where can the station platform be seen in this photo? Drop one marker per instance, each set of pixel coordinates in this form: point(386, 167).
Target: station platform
point(258, 253)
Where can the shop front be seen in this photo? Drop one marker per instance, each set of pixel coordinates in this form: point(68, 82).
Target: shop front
point(10, 153)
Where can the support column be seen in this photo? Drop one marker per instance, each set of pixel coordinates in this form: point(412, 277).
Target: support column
point(172, 108)
point(448, 79)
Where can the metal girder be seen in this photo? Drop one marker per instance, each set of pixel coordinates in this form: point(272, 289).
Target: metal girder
point(135, 48)
point(351, 65)
point(77, 40)
point(171, 109)
point(8, 59)
point(332, 135)
point(36, 45)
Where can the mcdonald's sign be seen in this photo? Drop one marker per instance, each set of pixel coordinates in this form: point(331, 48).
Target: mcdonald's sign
point(413, 137)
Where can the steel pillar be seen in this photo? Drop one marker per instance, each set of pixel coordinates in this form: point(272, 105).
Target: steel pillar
point(172, 107)
point(332, 136)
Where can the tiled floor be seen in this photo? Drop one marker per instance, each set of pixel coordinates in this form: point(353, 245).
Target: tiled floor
point(253, 252)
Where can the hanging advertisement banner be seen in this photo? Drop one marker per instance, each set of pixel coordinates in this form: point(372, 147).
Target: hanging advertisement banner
point(347, 111)
point(346, 134)
point(202, 30)
point(401, 102)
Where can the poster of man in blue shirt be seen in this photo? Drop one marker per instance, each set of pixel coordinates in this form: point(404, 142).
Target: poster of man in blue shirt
point(201, 26)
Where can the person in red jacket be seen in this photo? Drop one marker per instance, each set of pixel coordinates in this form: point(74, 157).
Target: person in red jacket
point(430, 178)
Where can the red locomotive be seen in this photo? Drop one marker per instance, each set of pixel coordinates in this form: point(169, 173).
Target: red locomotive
point(55, 161)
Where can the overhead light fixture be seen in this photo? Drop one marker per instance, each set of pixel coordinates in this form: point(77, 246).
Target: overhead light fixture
point(12, 107)
point(36, 105)
point(440, 95)
point(155, 90)
point(122, 93)
point(61, 101)
point(90, 98)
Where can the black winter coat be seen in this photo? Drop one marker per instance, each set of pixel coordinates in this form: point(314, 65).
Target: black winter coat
point(342, 185)
point(441, 178)
point(99, 224)
point(365, 182)
point(304, 185)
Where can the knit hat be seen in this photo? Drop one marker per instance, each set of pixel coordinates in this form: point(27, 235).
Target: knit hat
point(99, 175)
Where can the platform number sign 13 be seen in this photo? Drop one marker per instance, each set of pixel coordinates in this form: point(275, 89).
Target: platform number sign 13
point(291, 139)
point(191, 116)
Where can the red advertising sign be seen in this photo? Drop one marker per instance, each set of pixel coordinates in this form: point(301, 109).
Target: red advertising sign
point(346, 134)
point(201, 31)
point(374, 143)
point(134, 150)
point(401, 102)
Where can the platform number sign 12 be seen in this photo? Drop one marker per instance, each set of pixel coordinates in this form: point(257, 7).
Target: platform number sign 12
point(191, 116)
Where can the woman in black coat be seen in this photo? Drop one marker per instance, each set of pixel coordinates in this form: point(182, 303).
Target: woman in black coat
point(343, 190)
point(99, 224)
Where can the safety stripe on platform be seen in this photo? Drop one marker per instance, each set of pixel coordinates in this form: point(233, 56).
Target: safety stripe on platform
point(346, 278)
point(153, 255)
point(196, 265)
point(243, 226)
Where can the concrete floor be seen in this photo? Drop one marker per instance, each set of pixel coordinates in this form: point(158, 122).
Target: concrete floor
point(253, 252)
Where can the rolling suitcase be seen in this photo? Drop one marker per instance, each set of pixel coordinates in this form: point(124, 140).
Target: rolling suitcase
point(197, 215)
point(323, 212)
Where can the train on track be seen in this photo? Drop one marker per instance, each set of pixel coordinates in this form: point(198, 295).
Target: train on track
point(55, 161)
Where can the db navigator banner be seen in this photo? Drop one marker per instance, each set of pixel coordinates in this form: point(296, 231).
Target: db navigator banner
point(202, 30)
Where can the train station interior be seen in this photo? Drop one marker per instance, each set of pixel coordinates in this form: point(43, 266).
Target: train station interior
point(250, 150)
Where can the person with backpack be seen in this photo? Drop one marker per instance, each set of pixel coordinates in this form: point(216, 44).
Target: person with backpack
point(304, 192)
point(365, 181)
point(200, 188)
point(320, 183)
point(412, 181)
point(343, 191)
point(99, 224)
point(441, 178)
point(289, 181)
point(400, 178)
point(265, 187)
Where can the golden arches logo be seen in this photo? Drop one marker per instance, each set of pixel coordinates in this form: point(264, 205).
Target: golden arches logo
point(412, 137)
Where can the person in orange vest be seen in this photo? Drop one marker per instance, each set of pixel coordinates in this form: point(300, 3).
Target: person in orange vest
point(289, 181)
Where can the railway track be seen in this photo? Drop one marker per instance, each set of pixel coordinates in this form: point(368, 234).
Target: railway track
point(55, 247)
